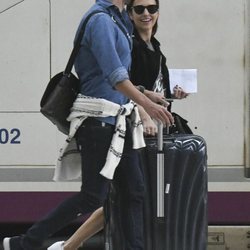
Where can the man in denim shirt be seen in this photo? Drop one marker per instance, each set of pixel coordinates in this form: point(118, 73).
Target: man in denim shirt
point(105, 57)
point(102, 65)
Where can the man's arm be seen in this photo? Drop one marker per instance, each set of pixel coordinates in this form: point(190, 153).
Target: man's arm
point(155, 111)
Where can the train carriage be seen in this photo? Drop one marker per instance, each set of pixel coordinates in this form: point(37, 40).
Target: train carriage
point(210, 36)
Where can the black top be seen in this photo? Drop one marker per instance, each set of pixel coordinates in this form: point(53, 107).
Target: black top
point(145, 64)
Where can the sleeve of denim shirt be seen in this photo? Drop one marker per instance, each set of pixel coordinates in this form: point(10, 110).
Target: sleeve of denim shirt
point(101, 36)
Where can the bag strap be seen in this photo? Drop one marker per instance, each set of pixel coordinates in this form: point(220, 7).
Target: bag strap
point(77, 45)
point(122, 29)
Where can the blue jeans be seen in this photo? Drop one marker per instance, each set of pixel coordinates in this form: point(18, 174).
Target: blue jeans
point(94, 141)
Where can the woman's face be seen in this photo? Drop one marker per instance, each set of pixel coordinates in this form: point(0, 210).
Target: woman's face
point(144, 19)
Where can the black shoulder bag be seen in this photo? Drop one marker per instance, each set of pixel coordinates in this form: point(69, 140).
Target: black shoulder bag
point(63, 89)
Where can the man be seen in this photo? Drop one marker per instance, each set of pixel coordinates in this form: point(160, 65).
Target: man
point(102, 65)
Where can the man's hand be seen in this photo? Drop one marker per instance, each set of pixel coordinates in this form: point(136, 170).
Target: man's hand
point(155, 111)
point(159, 113)
point(158, 110)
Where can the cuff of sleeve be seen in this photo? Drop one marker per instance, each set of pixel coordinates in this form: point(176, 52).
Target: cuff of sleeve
point(118, 75)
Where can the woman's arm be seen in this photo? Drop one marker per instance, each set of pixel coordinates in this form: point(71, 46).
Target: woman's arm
point(149, 127)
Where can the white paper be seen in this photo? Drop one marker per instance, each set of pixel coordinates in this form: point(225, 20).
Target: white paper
point(184, 78)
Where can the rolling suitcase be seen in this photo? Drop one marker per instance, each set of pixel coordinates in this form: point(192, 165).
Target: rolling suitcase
point(175, 207)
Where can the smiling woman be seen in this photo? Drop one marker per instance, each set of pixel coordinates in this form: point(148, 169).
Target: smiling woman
point(144, 14)
point(148, 62)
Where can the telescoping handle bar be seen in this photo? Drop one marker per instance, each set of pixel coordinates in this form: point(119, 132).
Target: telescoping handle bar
point(160, 169)
point(160, 172)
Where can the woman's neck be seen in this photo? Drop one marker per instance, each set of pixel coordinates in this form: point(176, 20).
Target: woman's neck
point(145, 35)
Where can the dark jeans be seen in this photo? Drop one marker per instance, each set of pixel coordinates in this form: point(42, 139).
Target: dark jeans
point(94, 141)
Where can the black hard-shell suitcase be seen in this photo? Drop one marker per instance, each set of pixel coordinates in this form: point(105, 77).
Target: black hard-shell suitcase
point(175, 209)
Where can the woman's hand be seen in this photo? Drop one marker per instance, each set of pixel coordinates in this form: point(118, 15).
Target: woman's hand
point(156, 97)
point(179, 93)
point(149, 127)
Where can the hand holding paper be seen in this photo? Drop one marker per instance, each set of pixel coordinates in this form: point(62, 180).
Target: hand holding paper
point(184, 78)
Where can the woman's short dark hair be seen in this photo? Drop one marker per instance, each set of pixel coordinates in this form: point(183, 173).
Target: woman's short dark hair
point(129, 9)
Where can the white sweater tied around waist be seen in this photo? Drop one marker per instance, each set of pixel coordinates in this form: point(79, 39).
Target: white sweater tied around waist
point(68, 165)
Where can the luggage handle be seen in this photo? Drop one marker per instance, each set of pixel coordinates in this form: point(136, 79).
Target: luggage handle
point(160, 168)
point(160, 131)
point(160, 172)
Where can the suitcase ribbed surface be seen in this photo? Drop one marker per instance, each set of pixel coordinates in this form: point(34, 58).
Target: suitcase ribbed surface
point(184, 226)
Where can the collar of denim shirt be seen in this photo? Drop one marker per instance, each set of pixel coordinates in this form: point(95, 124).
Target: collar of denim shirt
point(114, 10)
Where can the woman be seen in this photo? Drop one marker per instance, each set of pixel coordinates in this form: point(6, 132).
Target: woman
point(148, 62)
point(149, 70)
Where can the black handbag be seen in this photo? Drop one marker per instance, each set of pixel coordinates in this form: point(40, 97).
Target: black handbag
point(63, 89)
point(180, 125)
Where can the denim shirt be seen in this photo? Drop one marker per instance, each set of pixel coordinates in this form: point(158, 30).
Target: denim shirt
point(104, 58)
